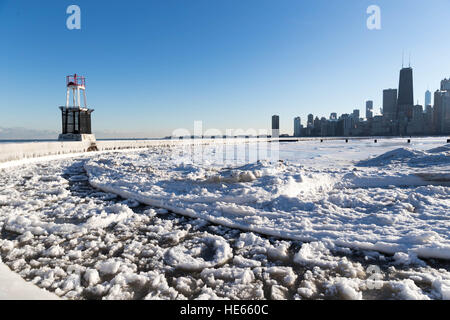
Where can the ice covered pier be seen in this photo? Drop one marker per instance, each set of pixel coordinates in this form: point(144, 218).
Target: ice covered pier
point(17, 151)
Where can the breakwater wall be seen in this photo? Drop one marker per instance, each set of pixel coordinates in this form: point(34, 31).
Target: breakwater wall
point(17, 151)
point(11, 151)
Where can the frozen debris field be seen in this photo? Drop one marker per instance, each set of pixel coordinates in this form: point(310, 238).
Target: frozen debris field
point(330, 220)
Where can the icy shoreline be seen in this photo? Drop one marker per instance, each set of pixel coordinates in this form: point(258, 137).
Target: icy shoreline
point(296, 202)
point(71, 239)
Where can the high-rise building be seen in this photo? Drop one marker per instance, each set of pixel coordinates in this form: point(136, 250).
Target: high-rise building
point(428, 120)
point(446, 114)
point(275, 126)
point(356, 115)
point(346, 124)
point(316, 123)
point(369, 109)
point(297, 127)
point(405, 87)
point(416, 125)
point(418, 112)
point(310, 120)
point(445, 125)
point(441, 112)
point(390, 104)
point(405, 100)
point(427, 98)
point(445, 85)
point(333, 116)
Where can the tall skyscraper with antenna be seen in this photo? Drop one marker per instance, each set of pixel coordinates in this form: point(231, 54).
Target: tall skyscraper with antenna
point(405, 101)
point(405, 94)
point(405, 87)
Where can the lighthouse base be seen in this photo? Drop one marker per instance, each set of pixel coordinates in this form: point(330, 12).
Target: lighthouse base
point(76, 137)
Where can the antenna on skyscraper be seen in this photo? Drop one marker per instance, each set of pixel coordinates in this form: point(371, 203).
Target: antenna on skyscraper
point(410, 59)
point(403, 58)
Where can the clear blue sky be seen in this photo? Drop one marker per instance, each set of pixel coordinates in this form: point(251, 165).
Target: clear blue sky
point(154, 66)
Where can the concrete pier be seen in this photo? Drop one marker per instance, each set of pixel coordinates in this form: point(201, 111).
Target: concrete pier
point(17, 151)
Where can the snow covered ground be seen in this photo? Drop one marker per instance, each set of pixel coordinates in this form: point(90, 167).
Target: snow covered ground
point(13, 287)
point(330, 220)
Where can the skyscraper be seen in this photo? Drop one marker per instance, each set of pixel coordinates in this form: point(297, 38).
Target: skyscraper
point(390, 104)
point(445, 122)
point(310, 120)
point(428, 119)
point(275, 126)
point(369, 109)
point(441, 112)
point(405, 99)
point(297, 127)
point(316, 123)
point(418, 113)
point(427, 98)
point(356, 115)
point(445, 85)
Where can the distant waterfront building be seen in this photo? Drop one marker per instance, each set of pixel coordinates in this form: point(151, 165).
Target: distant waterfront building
point(445, 85)
point(333, 116)
point(390, 104)
point(379, 127)
point(416, 125)
point(310, 120)
point(405, 87)
point(275, 126)
point(427, 98)
point(317, 126)
point(356, 115)
point(297, 127)
point(323, 127)
point(417, 112)
point(369, 109)
point(441, 112)
point(405, 100)
point(347, 124)
point(428, 119)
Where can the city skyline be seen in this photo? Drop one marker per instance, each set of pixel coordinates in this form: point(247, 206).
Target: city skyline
point(399, 115)
point(404, 93)
point(389, 99)
point(174, 63)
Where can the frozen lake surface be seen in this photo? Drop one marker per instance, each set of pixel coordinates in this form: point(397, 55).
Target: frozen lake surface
point(329, 220)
